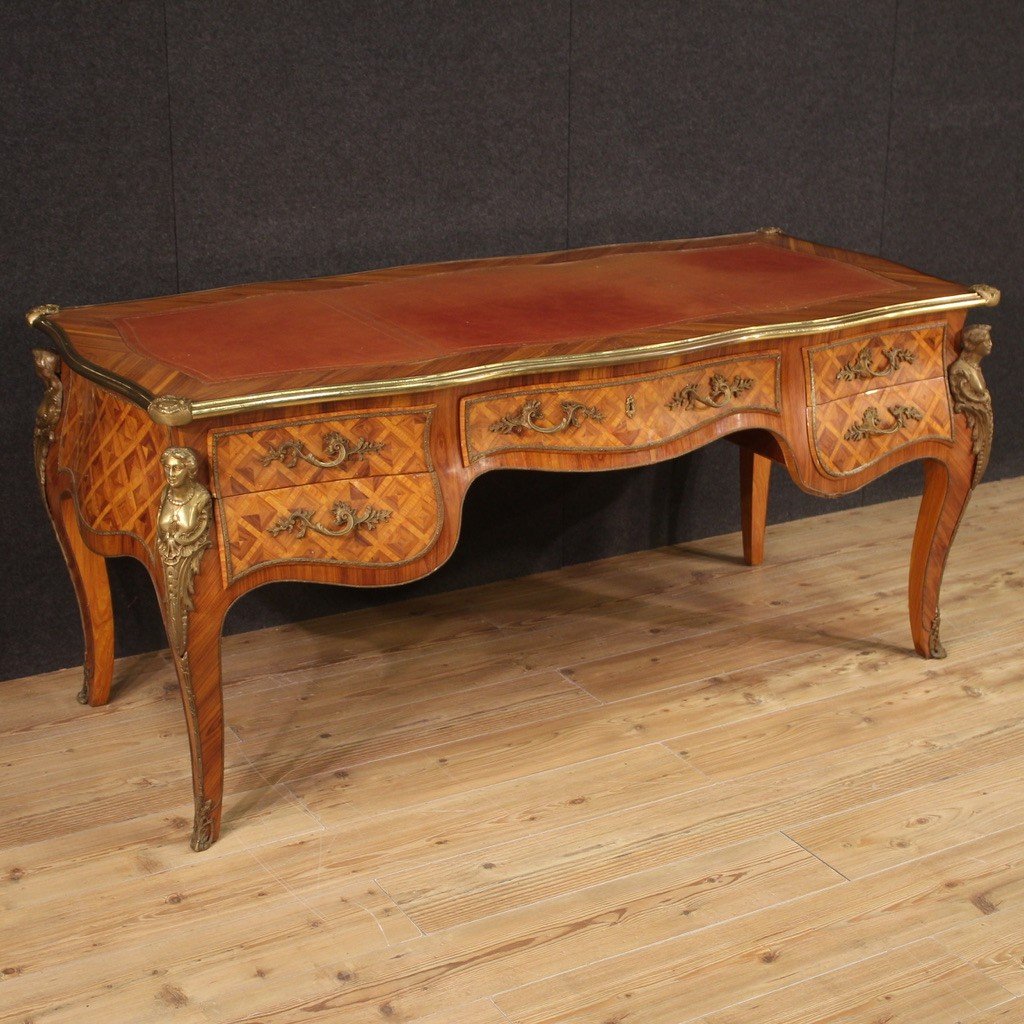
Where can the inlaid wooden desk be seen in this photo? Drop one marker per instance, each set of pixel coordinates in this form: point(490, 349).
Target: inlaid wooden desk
point(327, 430)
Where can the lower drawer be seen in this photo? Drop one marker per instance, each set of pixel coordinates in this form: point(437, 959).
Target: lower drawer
point(372, 521)
point(850, 434)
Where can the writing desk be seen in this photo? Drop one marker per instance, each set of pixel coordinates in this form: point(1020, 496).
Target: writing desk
point(328, 429)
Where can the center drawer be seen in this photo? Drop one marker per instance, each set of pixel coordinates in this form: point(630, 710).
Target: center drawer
point(619, 414)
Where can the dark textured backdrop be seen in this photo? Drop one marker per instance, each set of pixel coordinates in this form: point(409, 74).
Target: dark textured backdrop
point(155, 146)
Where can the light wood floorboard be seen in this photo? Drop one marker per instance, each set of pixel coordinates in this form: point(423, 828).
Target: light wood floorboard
point(658, 789)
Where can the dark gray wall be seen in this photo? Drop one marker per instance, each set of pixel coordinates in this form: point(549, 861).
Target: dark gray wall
point(158, 146)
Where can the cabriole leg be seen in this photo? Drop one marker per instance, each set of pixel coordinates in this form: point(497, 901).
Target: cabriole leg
point(92, 588)
point(947, 489)
point(199, 678)
point(87, 569)
point(194, 614)
point(755, 475)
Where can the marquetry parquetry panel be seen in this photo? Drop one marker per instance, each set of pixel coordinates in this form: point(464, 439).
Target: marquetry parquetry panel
point(413, 502)
point(112, 449)
point(632, 412)
point(396, 441)
point(840, 455)
point(918, 354)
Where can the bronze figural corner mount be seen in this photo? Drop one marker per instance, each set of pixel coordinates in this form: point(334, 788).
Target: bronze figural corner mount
point(338, 447)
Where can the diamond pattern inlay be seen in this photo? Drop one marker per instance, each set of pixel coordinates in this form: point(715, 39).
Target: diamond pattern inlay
point(112, 448)
point(396, 442)
point(406, 526)
point(842, 449)
point(920, 358)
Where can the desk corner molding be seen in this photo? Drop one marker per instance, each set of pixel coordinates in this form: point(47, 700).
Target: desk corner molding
point(988, 293)
point(170, 411)
point(36, 313)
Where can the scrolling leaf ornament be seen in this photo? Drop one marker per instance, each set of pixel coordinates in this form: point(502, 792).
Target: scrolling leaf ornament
point(861, 368)
point(183, 536)
point(970, 393)
point(336, 448)
point(523, 419)
point(301, 520)
point(721, 393)
point(871, 423)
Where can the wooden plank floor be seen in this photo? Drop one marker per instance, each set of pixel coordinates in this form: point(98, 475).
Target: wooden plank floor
point(655, 789)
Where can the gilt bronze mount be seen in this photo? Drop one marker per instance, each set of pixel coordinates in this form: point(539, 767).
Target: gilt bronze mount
point(525, 418)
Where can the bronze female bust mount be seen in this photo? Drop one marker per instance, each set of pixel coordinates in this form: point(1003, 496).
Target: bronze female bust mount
point(182, 537)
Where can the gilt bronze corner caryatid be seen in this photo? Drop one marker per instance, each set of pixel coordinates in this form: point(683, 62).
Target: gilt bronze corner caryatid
point(970, 393)
point(183, 537)
point(48, 413)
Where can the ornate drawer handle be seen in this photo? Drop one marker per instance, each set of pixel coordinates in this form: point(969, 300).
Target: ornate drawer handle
point(574, 413)
point(861, 368)
point(870, 425)
point(335, 446)
point(346, 518)
point(721, 392)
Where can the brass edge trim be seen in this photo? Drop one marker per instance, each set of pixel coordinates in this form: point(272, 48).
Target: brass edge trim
point(203, 409)
point(130, 390)
point(521, 367)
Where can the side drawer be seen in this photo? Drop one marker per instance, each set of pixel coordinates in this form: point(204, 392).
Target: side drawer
point(856, 365)
point(852, 433)
point(376, 521)
point(288, 453)
point(621, 414)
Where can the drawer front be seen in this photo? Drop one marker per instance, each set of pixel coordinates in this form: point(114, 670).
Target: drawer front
point(621, 415)
point(855, 432)
point(375, 521)
point(288, 453)
point(856, 365)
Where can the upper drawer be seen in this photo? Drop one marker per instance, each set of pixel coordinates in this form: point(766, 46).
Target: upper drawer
point(622, 414)
point(287, 453)
point(856, 365)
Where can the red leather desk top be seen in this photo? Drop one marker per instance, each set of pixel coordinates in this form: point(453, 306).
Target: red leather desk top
point(407, 322)
point(410, 319)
